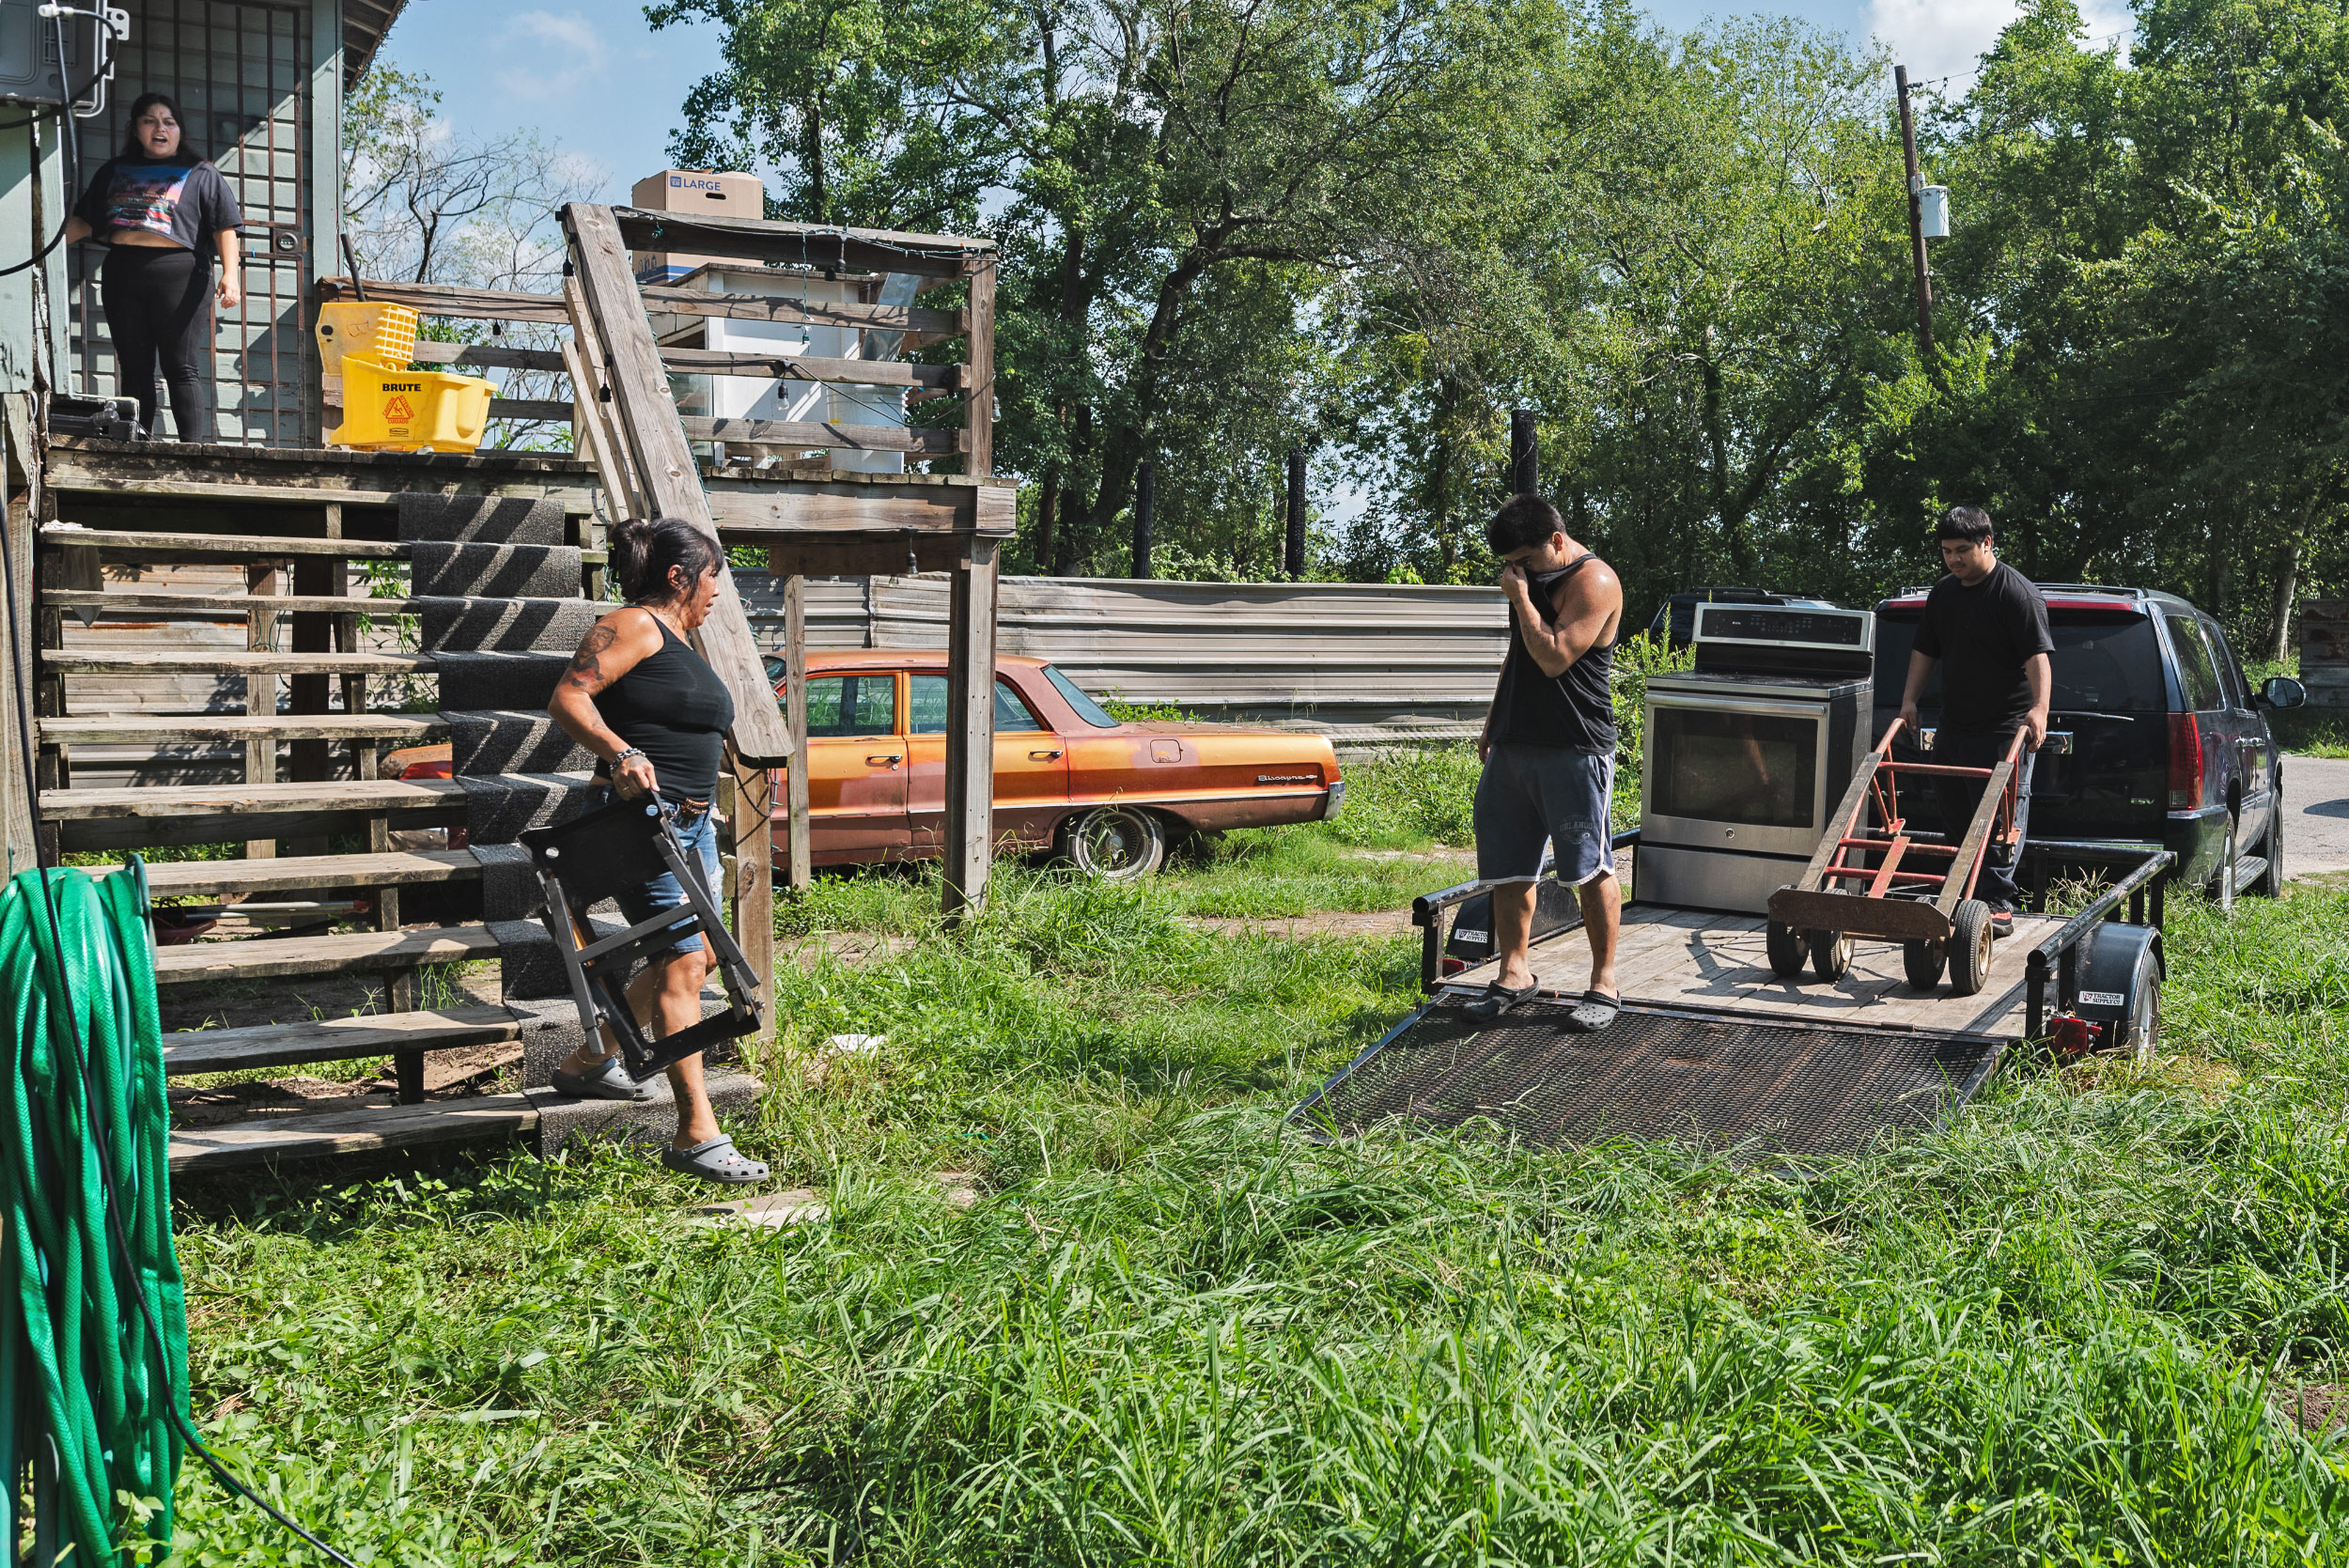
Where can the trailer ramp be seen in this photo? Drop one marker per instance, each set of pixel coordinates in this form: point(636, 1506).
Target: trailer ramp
point(1754, 1089)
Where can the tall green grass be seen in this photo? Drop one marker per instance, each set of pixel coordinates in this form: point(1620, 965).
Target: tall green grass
point(1172, 1332)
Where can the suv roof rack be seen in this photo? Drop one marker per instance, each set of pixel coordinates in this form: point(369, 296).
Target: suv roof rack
point(2094, 588)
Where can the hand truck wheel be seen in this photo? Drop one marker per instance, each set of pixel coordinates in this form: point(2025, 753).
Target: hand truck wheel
point(1784, 945)
point(1922, 961)
point(1831, 953)
point(1970, 946)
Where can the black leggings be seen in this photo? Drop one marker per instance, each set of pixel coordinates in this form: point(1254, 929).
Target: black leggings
point(159, 301)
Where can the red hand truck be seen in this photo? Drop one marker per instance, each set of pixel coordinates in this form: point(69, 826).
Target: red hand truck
point(1892, 883)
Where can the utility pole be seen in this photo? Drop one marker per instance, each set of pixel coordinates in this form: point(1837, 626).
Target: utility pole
point(1915, 221)
point(1146, 508)
point(1296, 562)
point(1524, 476)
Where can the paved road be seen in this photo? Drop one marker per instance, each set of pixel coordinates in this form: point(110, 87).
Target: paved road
point(2316, 830)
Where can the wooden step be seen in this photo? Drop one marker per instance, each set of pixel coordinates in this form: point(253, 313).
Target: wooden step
point(292, 873)
point(125, 545)
point(249, 799)
point(139, 729)
point(261, 1139)
point(279, 1044)
point(236, 661)
point(227, 604)
point(277, 957)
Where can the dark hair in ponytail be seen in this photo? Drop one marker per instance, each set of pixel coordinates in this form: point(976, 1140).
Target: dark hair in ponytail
point(644, 548)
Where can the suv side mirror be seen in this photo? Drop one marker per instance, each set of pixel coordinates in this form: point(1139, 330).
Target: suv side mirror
point(2282, 691)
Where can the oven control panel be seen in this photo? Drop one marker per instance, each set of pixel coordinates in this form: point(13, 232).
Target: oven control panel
point(1783, 626)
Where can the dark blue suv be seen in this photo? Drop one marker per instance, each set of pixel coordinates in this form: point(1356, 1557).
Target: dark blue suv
point(2153, 736)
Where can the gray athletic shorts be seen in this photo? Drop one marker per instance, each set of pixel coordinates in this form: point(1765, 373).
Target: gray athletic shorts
point(1532, 794)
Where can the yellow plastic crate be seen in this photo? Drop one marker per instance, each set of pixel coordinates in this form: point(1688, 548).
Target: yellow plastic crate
point(385, 334)
point(391, 409)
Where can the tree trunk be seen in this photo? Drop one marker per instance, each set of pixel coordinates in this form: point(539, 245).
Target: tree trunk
point(1122, 446)
point(1047, 506)
point(2287, 589)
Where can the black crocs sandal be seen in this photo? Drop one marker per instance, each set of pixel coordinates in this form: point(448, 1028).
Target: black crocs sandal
point(1498, 999)
point(1595, 1012)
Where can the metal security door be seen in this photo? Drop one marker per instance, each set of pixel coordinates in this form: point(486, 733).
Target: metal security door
point(240, 72)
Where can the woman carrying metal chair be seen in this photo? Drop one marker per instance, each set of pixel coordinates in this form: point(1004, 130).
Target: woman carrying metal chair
point(160, 207)
point(655, 715)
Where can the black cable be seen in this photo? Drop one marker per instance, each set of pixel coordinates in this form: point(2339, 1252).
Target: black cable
point(72, 143)
point(89, 1110)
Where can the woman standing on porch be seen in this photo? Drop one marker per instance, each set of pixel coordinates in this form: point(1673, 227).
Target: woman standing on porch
point(162, 210)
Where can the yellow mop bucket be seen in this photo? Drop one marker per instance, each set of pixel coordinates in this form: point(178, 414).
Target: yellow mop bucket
point(392, 409)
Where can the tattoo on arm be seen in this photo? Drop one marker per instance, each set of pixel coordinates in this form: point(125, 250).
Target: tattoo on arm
point(586, 671)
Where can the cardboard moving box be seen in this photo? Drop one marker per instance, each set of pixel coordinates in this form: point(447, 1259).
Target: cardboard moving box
point(698, 191)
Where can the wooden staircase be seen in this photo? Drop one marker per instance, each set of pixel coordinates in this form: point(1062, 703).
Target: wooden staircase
point(141, 606)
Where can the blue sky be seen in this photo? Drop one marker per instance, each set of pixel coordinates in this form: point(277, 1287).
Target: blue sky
point(591, 77)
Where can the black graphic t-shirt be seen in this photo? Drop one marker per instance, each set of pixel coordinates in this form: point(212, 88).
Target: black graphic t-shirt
point(185, 199)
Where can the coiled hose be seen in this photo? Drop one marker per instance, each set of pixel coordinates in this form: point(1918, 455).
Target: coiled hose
point(81, 1099)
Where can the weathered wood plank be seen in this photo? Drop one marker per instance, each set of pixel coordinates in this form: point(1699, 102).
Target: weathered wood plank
point(801, 433)
point(227, 604)
point(278, 957)
point(144, 729)
point(979, 388)
point(798, 841)
point(386, 868)
point(860, 250)
point(664, 464)
point(239, 660)
point(971, 727)
point(530, 408)
point(263, 1141)
point(318, 795)
point(920, 325)
point(808, 368)
point(143, 546)
point(440, 299)
point(344, 1039)
point(820, 505)
point(486, 355)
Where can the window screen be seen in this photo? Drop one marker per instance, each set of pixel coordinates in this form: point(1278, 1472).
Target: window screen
point(1748, 767)
point(928, 705)
point(2198, 673)
point(853, 705)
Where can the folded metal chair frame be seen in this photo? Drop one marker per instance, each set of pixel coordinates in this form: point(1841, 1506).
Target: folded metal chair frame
point(590, 859)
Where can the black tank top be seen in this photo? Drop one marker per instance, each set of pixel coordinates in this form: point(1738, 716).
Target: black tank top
point(1573, 710)
point(674, 707)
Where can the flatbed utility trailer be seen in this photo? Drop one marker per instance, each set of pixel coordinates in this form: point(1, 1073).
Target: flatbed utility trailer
point(1716, 1047)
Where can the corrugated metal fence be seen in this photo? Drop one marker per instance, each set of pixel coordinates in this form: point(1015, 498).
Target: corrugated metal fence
point(1364, 662)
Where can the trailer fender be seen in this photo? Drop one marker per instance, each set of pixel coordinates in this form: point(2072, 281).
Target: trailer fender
point(2119, 974)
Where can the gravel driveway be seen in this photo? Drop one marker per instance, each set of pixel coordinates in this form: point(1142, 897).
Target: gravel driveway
point(2316, 826)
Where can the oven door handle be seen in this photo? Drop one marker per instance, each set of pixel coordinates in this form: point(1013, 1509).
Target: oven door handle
point(1773, 706)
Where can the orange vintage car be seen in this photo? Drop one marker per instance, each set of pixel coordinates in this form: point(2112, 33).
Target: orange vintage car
point(1068, 778)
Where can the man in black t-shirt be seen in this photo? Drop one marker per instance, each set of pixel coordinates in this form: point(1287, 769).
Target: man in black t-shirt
point(1987, 626)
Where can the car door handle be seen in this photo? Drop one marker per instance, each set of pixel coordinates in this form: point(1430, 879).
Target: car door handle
point(892, 760)
point(1043, 756)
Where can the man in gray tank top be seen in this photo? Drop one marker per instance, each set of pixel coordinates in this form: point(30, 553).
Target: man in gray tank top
point(1548, 748)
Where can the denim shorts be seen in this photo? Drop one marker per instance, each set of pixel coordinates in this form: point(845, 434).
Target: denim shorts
point(698, 837)
point(1530, 795)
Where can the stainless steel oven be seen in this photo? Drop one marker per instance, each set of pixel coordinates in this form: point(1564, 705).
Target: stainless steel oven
point(1740, 774)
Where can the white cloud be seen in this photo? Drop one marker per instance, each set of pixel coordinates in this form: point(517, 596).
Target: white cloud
point(565, 51)
point(1946, 38)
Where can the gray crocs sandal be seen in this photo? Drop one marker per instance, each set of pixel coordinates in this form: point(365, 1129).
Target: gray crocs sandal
point(606, 1080)
point(1595, 1012)
point(717, 1160)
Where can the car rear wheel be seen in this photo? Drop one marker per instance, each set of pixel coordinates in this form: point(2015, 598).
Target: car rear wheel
point(2270, 882)
point(1118, 844)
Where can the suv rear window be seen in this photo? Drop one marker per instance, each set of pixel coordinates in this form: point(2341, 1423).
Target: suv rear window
point(2105, 661)
point(2198, 672)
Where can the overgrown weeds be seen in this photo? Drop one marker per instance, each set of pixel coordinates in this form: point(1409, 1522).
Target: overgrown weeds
point(1173, 1332)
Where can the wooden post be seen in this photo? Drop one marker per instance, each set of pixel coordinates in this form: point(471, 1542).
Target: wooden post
point(800, 840)
point(969, 726)
point(1916, 222)
point(1295, 563)
point(978, 408)
point(260, 692)
point(752, 832)
point(1524, 459)
point(18, 815)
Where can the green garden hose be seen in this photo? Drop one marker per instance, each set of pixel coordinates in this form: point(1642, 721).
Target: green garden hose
point(88, 1277)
